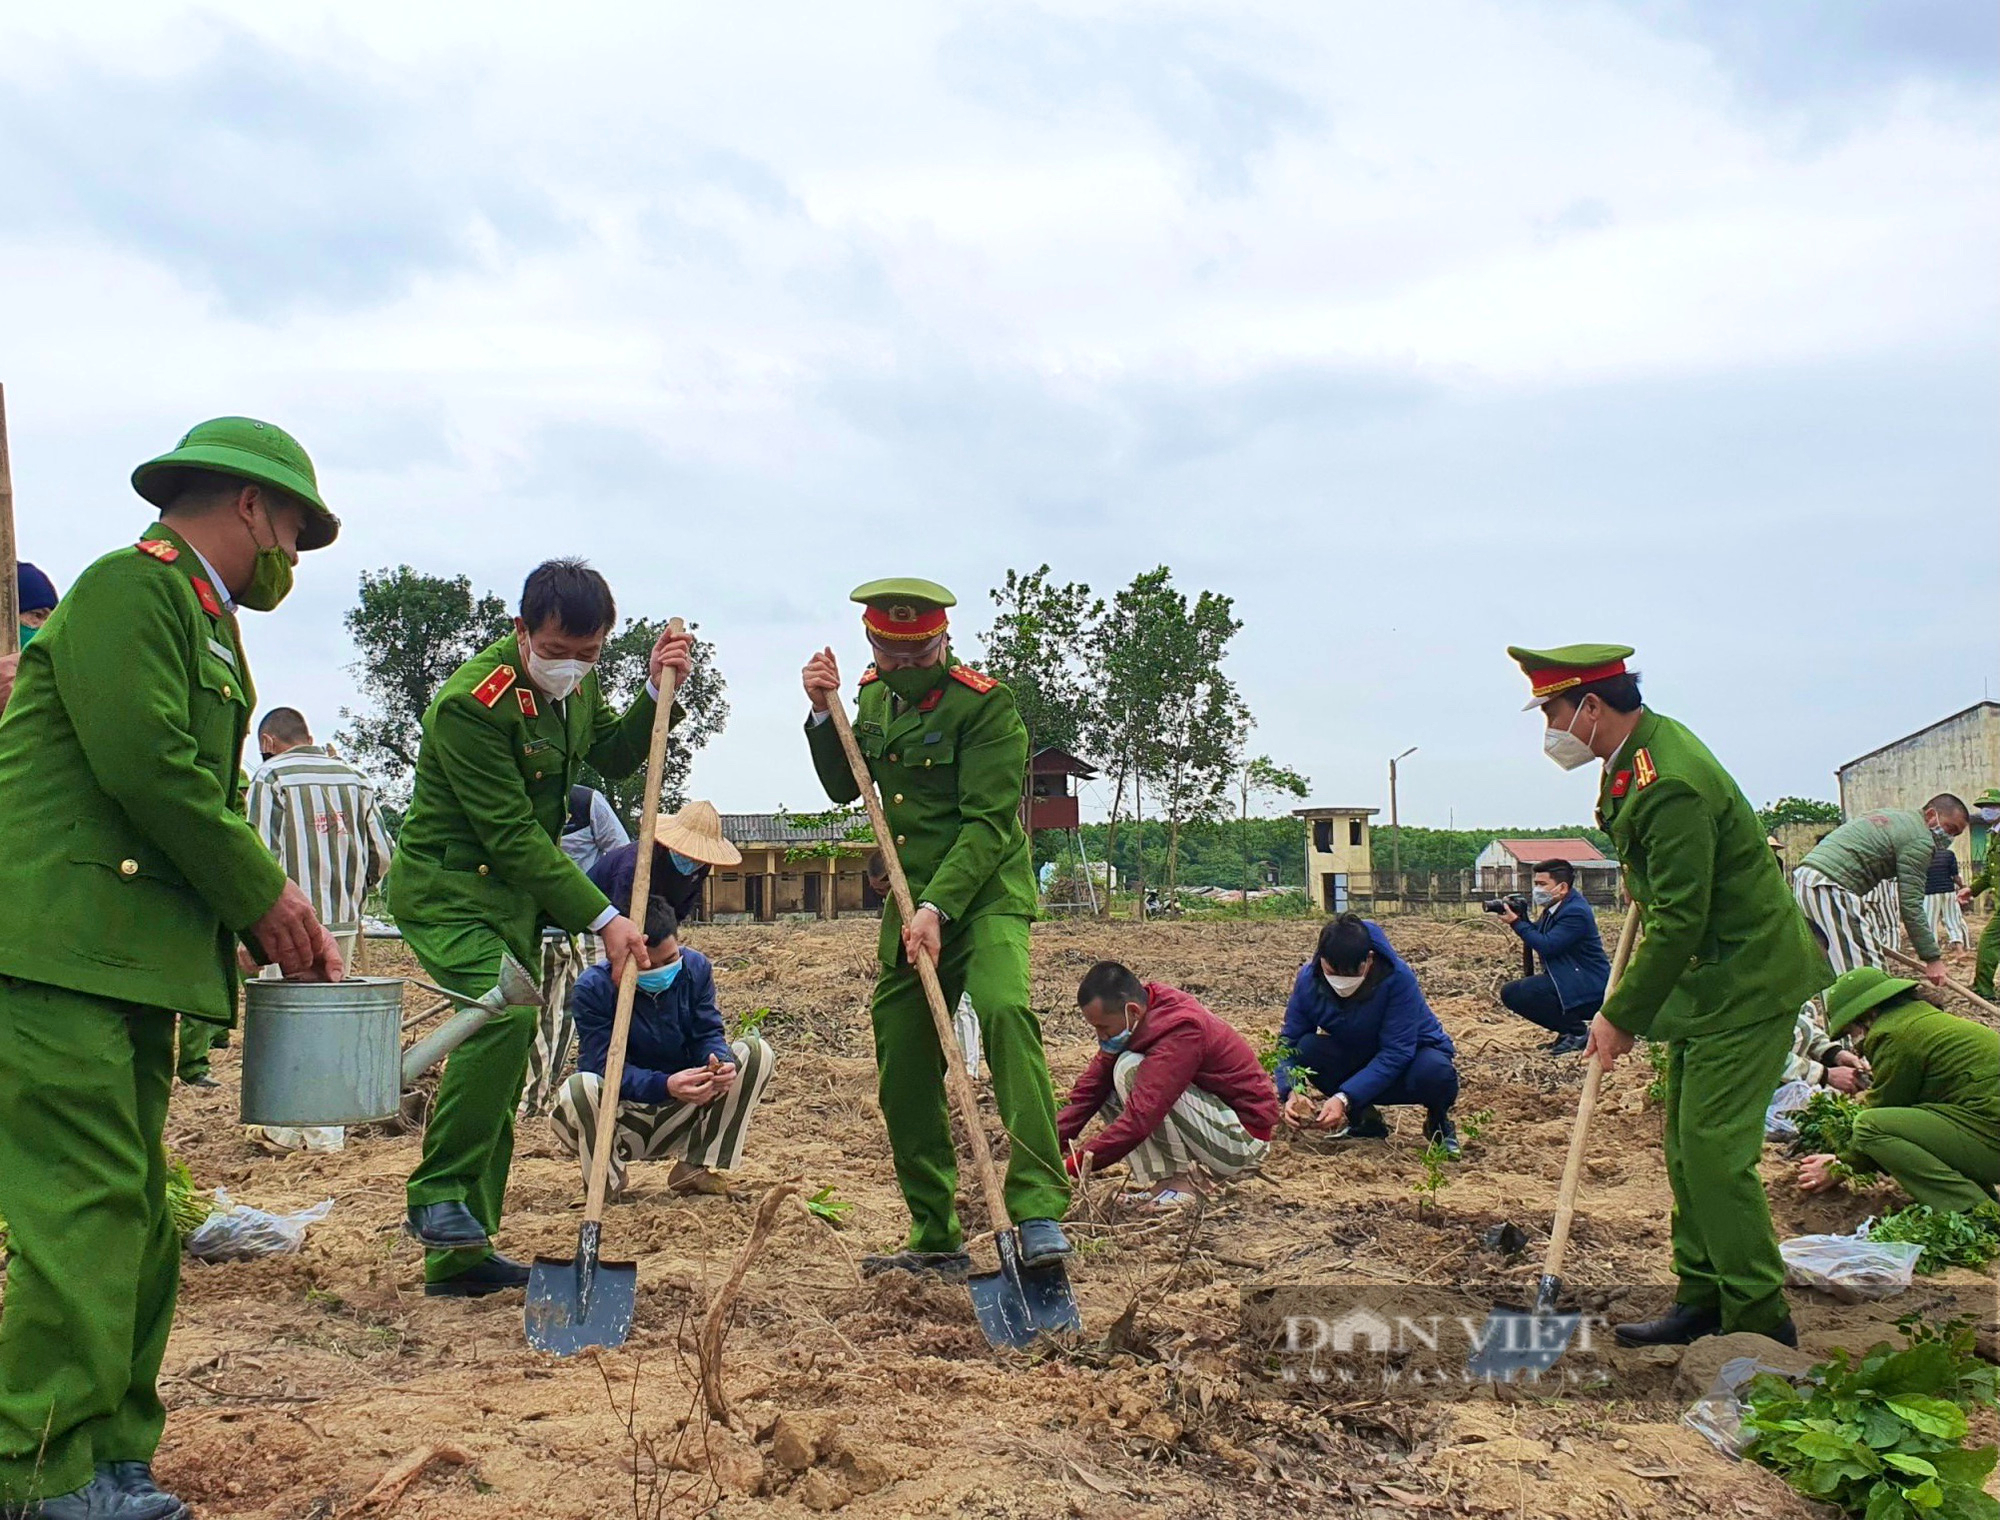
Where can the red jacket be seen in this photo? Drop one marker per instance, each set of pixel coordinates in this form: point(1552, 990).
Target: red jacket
point(1185, 1046)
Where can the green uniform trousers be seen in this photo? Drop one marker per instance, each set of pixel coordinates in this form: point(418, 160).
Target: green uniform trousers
point(987, 958)
point(1725, 1249)
point(1988, 957)
point(196, 1039)
point(469, 1142)
point(1934, 1157)
point(95, 1262)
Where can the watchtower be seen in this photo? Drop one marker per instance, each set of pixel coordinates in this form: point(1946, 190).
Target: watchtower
point(1051, 803)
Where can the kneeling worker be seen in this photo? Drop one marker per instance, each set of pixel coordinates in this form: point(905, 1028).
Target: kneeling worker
point(1181, 1091)
point(687, 1091)
point(1570, 985)
point(1358, 1028)
point(1932, 1119)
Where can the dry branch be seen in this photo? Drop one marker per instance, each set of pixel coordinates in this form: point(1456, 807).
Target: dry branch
point(389, 1487)
point(715, 1324)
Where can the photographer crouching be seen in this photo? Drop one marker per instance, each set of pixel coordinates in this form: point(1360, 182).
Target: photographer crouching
point(1570, 987)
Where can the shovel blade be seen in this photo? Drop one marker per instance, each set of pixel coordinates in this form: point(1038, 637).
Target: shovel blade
point(1516, 1342)
point(578, 1302)
point(1016, 1304)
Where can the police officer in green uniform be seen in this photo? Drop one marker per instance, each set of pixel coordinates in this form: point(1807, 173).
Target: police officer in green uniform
point(478, 873)
point(948, 752)
point(1985, 809)
point(129, 873)
point(1719, 976)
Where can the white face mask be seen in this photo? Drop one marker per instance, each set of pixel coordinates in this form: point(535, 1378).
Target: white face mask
point(1543, 896)
point(557, 677)
point(1345, 986)
point(1564, 747)
point(1988, 816)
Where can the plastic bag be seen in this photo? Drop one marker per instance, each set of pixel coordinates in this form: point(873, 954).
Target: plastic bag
point(1718, 1414)
point(317, 1137)
point(237, 1232)
point(1850, 1267)
point(1788, 1099)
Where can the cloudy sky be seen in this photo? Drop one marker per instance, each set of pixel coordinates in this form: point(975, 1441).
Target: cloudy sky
point(1417, 329)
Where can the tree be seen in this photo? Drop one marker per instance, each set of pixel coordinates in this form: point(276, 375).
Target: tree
point(1038, 645)
point(1127, 663)
point(412, 631)
point(621, 671)
point(1262, 777)
point(1797, 810)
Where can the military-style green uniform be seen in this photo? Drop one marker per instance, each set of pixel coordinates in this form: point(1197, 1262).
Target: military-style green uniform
point(128, 872)
point(1719, 976)
point(477, 874)
point(948, 754)
point(1988, 880)
point(1932, 1118)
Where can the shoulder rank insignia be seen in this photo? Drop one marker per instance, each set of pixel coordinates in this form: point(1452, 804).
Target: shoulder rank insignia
point(1621, 783)
point(160, 549)
point(527, 700)
point(1643, 769)
point(494, 687)
point(205, 594)
point(965, 675)
point(870, 674)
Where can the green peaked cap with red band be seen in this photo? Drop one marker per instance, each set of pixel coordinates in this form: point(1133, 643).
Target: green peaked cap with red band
point(1551, 672)
point(903, 609)
point(259, 452)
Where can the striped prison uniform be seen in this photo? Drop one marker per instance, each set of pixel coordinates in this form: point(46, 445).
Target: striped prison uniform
point(318, 815)
point(1842, 916)
point(1885, 913)
point(1947, 919)
point(1200, 1127)
point(564, 959)
point(708, 1134)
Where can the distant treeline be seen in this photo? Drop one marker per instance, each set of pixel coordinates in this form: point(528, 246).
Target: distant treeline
point(1212, 853)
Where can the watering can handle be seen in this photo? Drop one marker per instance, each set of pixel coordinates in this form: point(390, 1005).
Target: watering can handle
point(628, 982)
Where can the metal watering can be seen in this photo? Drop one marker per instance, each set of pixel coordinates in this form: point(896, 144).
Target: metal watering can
point(323, 1053)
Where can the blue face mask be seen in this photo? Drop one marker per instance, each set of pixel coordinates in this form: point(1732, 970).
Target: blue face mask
point(682, 864)
point(660, 978)
point(1116, 1043)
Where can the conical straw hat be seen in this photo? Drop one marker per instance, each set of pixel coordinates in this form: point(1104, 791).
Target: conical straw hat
point(696, 831)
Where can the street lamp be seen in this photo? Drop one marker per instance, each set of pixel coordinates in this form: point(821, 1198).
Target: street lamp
point(1396, 822)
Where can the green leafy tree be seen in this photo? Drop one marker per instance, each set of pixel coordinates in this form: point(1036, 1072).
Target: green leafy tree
point(1129, 663)
point(1798, 810)
point(1038, 646)
point(1262, 777)
point(621, 671)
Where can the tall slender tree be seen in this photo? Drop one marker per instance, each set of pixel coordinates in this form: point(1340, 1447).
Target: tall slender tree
point(1262, 777)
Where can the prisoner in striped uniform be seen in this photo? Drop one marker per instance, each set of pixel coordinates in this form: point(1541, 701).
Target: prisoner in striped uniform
point(687, 1091)
point(1181, 1091)
point(1891, 848)
point(1941, 905)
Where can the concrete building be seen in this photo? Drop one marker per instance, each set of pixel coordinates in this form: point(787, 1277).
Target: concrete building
point(1959, 754)
point(1508, 865)
point(1338, 853)
point(788, 871)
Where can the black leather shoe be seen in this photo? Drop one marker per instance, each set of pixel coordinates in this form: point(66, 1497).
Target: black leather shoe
point(496, 1274)
point(135, 1481)
point(1042, 1242)
point(100, 1499)
point(1679, 1326)
point(1785, 1334)
point(1368, 1124)
point(1568, 1044)
point(447, 1226)
point(948, 1266)
point(1443, 1133)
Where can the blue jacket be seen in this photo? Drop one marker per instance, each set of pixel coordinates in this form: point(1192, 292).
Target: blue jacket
point(1385, 1027)
point(671, 1031)
point(1572, 950)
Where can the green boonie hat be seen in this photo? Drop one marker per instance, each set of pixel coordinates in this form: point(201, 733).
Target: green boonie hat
point(903, 609)
point(253, 450)
point(1988, 798)
point(1859, 990)
point(1551, 672)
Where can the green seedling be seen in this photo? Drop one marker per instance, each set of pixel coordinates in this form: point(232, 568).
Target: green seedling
point(749, 1023)
point(1436, 1177)
point(824, 1205)
point(1272, 1050)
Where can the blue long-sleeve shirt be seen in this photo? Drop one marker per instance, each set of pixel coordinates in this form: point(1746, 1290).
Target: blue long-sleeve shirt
point(1567, 939)
point(671, 1031)
point(1385, 1026)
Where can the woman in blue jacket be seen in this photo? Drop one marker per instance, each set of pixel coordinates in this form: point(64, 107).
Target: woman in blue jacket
point(1358, 1029)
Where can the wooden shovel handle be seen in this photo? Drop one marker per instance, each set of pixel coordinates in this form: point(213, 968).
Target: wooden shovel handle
point(628, 984)
point(1953, 983)
point(955, 1080)
point(1579, 1133)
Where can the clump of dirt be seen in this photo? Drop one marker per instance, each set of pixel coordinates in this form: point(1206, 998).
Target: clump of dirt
point(296, 1384)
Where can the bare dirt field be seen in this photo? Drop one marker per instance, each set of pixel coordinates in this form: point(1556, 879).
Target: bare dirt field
point(303, 1387)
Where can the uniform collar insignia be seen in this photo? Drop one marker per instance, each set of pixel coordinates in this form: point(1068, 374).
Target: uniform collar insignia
point(527, 700)
point(1621, 783)
point(205, 594)
point(931, 699)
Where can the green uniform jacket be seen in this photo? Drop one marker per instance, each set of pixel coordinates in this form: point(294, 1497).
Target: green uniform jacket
point(1725, 943)
point(126, 863)
point(493, 779)
point(1988, 878)
point(1889, 844)
point(949, 768)
point(1924, 1057)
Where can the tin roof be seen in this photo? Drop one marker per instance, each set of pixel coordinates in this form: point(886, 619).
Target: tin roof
point(1528, 851)
point(779, 828)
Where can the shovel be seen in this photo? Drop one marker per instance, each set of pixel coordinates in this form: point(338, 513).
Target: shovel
point(1016, 1303)
point(1514, 1341)
point(576, 1304)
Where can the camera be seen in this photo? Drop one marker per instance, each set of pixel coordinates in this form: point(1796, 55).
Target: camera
point(1512, 900)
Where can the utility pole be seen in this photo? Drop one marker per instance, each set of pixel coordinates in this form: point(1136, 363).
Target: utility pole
point(1396, 822)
